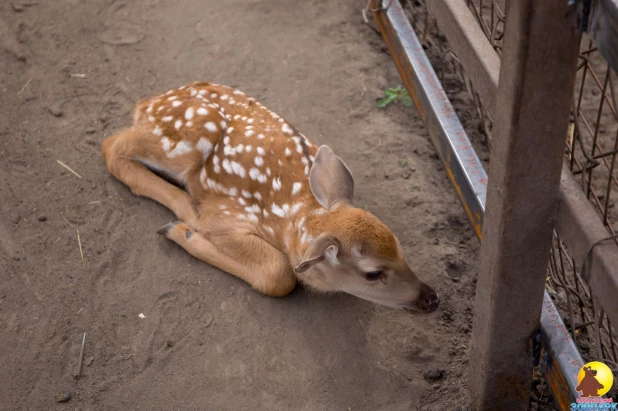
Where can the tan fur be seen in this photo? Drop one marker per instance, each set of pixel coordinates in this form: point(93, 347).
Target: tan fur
point(253, 199)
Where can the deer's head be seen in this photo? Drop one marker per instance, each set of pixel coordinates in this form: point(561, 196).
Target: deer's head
point(354, 252)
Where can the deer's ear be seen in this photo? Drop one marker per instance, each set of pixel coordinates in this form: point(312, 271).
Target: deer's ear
point(330, 179)
point(323, 247)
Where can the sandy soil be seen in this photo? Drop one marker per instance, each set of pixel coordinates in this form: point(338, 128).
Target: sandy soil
point(70, 72)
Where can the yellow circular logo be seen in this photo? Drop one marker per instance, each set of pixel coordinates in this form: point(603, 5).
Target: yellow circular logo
point(594, 379)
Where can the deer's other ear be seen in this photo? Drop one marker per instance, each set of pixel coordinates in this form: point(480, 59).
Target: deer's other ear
point(322, 247)
point(330, 180)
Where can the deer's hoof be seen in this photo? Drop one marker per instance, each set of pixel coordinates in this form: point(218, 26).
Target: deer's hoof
point(165, 229)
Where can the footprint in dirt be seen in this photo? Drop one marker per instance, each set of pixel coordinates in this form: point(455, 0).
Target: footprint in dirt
point(122, 24)
point(10, 43)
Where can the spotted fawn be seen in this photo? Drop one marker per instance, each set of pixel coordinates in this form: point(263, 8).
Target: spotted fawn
point(257, 199)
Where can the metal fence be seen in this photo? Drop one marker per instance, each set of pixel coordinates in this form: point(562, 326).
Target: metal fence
point(590, 155)
point(591, 150)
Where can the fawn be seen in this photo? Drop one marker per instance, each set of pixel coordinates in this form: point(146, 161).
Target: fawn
point(258, 199)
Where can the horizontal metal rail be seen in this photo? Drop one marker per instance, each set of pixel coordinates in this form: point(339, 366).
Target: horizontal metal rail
point(578, 224)
point(560, 362)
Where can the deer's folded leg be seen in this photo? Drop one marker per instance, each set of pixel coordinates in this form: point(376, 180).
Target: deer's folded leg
point(122, 153)
point(240, 253)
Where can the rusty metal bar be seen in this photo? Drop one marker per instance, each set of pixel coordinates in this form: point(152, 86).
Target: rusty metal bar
point(559, 358)
point(541, 41)
point(466, 173)
point(470, 45)
point(463, 167)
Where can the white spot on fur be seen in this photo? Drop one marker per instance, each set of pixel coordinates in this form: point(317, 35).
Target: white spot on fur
point(286, 129)
point(202, 111)
point(253, 209)
point(253, 218)
point(261, 151)
point(259, 161)
point(248, 149)
point(210, 126)
point(257, 196)
point(157, 131)
point(277, 210)
point(182, 147)
point(261, 136)
point(227, 166)
point(256, 175)
point(296, 188)
point(167, 119)
point(249, 133)
point(176, 103)
point(224, 97)
point(238, 169)
point(229, 151)
point(205, 147)
point(166, 144)
point(276, 184)
point(279, 162)
point(189, 113)
point(177, 124)
point(287, 152)
point(294, 209)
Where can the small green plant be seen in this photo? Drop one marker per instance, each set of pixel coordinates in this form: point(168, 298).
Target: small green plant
point(393, 95)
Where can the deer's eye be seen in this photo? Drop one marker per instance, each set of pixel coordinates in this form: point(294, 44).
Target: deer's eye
point(374, 275)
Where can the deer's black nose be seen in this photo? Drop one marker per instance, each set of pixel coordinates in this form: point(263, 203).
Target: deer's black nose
point(428, 300)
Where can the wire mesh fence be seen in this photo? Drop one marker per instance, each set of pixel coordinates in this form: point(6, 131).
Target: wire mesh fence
point(591, 150)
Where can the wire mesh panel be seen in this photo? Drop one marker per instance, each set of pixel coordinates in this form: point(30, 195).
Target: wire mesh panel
point(593, 144)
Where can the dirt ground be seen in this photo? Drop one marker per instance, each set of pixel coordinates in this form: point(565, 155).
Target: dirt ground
point(70, 72)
